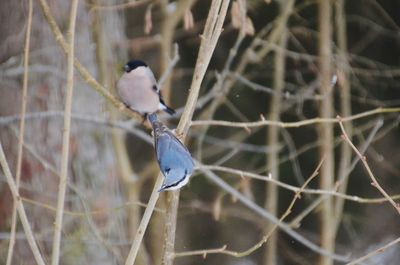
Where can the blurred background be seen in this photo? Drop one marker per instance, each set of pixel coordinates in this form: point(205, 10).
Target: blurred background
point(285, 61)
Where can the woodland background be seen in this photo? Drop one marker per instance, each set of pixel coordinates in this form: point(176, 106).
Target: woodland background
point(276, 66)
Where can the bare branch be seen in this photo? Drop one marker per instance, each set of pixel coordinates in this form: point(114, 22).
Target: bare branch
point(66, 133)
point(369, 171)
point(293, 124)
point(375, 252)
point(20, 208)
point(21, 131)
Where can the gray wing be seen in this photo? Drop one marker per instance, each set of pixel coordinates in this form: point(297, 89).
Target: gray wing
point(172, 154)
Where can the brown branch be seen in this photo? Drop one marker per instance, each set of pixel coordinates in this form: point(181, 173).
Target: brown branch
point(247, 125)
point(130, 260)
point(271, 198)
point(20, 208)
point(209, 39)
point(369, 171)
point(375, 252)
point(212, 31)
point(325, 130)
point(116, 7)
point(267, 216)
point(66, 133)
point(21, 132)
point(345, 104)
point(265, 238)
point(294, 188)
point(203, 252)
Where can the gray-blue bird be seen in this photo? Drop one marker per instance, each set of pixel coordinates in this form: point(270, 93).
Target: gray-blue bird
point(174, 159)
point(139, 90)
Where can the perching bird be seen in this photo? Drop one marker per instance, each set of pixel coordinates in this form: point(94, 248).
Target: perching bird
point(138, 89)
point(174, 159)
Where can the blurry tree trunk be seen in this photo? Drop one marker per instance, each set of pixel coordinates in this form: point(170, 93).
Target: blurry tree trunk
point(325, 130)
point(105, 57)
point(168, 27)
point(271, 200)
point(345, 105)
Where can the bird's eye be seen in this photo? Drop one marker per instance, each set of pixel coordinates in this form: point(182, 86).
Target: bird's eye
point(167, 170)
point(126, 68)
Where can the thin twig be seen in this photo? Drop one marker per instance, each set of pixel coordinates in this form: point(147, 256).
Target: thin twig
point(290, 207)
point(251, 55)
point(131, 4)
point(66, 136)
point(284, 185)
point(343, 177)
point(376, 251)
point(20, 208)
point(296, 124)
point(170, 67)
point(364, 161)
point(268, 216)
point(209, 38)
point(204, 252)
point(265, 238)
point(80, 117)
point(21, 131)
point(144, 222)
point(86, 212)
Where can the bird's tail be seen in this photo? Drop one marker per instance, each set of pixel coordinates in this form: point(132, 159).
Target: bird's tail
point(165, 108)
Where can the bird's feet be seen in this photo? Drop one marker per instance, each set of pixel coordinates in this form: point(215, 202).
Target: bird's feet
point(178, 135)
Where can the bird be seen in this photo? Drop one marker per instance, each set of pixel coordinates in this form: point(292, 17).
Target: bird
point(139, 91)
point(174, 160)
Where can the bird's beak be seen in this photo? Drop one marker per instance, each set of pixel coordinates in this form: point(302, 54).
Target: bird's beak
point(127, 68)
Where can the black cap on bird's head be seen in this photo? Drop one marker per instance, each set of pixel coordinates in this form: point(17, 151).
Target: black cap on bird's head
point(133, 64)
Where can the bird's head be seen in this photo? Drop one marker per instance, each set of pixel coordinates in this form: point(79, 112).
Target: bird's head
point(133, 64)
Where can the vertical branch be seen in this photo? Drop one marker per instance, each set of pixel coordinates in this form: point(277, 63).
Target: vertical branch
point(170, 227)
point(212, 31)
point(210, 36)
point(66, 134)
point(345, 105)
point(167, 31)
point(271, 200)
point(325, 130)
point(20, 208)
point(21, 131)
point(130, 260)
point(363, 159)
